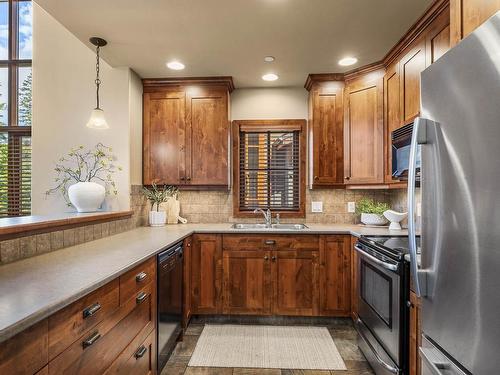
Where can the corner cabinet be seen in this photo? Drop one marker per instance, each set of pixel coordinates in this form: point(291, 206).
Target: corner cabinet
point(467, 15)
point(183, 121)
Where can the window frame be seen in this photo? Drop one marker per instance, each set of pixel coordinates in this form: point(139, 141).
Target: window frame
point(13, 130)
point(285, 125)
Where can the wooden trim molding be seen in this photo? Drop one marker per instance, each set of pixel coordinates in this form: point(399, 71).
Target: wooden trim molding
point(226, 81)
point(29, 225)
point(266, 124)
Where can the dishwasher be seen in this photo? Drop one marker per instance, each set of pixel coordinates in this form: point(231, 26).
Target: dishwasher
point(170, 280)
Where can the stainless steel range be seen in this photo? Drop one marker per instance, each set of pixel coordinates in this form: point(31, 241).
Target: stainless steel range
point(383, 294)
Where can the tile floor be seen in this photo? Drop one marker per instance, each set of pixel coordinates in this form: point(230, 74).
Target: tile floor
point(342, 332)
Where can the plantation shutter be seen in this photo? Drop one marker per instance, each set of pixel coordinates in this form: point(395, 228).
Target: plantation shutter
point(15, 174)
point(269, 169)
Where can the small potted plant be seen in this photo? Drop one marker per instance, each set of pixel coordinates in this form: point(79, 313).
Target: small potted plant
point(84, 177)
point(156, 196)
point(372, 213)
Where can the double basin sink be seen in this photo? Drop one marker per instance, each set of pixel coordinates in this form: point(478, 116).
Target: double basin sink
point(271, 226)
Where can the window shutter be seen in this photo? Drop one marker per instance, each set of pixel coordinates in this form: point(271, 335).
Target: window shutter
point(269, 170)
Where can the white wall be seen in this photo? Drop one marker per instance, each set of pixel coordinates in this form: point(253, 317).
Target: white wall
point(63, 97)
point(269, 103)
point(135, 110)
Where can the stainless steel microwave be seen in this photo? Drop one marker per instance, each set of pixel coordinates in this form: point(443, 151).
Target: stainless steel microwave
point(401, 142)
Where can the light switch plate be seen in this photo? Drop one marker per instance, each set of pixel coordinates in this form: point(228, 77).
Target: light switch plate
point(351, 207)
point(317, 206)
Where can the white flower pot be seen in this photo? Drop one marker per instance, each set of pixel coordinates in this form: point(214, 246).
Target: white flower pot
point(86, 196)
point(373, 219)
point(157, 218)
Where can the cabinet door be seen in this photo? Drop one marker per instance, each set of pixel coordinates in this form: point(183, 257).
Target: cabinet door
point(206, 274)
point(164, 137)
point(364, 127)
point(335, 276)
point(414, 334)
point(467, 15)
point(186, 309)
point(326, 136)
point(208, 128)
point(295, 275)
point(392, 116)
point(247, 284)
point(437, 37)
point(411, 65)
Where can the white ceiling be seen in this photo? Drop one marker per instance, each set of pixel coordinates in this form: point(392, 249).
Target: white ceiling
point(231, 37)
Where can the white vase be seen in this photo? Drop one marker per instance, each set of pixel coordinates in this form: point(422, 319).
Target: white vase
point(373, 219)
point(86, 196)
point(157, 218)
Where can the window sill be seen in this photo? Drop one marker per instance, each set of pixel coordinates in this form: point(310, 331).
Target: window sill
point(12, 227)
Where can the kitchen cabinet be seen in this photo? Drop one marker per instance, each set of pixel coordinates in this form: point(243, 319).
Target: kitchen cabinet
point(354, 279)
point(437, 37)
point(335, 275)
point(364, 130)
point(415, 334)
point(183, 121)
point(206, 274)
point(247, 286)
point(467, 15)
point(326, 134)
point(391, 114)
point(186, 308)
point(99, 333)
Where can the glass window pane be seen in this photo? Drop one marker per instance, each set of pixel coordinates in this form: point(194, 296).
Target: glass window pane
point(25, 176)
point(4, 30)
point(4, 96)
point(4, 177)
point(25, 29)
point(24, 96)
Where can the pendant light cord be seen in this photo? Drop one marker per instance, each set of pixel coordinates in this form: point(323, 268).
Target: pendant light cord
point(97, 80)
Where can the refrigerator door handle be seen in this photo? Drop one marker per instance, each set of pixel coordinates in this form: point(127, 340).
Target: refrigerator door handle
point(419, 136)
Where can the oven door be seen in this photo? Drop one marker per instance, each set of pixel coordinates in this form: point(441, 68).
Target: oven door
point(379, 299)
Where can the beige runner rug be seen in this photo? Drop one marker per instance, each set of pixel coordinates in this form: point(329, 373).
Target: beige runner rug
point(260, 346)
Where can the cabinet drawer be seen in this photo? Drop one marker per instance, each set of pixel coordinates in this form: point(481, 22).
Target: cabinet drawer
point(77, 319)
point(96, 351)
point(138, 358)
point(134, 280)
point(270, 242)
point(25, 353)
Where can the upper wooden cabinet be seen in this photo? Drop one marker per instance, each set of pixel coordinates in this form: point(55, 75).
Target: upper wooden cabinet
point(184, 120)
point(364, 130)
point(326, 132)
point(392, 114)
point(467, 15)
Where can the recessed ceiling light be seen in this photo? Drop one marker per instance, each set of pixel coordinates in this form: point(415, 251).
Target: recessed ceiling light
point(269, 59)
point(175, 65)
point(270, 77)
point(346, 61)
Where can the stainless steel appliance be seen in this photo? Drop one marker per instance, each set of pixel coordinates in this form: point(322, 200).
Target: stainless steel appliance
point(401, 144)
point(170, 263)
point(459, 275)
point(383, 294)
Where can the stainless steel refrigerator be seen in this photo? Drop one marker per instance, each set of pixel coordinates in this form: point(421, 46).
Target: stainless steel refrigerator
point(459, 139)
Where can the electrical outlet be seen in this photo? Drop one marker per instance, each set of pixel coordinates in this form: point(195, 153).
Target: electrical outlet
point(317, 206)
point(351, 207)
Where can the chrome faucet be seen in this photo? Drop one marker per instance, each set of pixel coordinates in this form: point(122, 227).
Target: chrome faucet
point(267, 216)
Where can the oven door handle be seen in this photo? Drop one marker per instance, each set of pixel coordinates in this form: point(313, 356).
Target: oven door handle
point(387, 266)
point(379, 359)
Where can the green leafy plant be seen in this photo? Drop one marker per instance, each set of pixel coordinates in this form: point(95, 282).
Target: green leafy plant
point(85, 165)
point(156, 195)
point(369, 206)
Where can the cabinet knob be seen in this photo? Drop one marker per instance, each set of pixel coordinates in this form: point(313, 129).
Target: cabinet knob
point(273, 258)
point(347, 178)
point(266, 257)
point(189, 178)
point(316, 178)
point(182, 178)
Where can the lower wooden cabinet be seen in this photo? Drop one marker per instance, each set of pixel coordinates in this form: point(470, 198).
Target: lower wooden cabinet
point(106, 331)
point(354, 280)
point(302, 275)
point(415, 334)
point(335, 276)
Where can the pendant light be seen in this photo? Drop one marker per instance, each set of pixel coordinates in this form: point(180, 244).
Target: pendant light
point(97, 119)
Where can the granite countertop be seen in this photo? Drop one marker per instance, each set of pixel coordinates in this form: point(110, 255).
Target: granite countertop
point(34, 288)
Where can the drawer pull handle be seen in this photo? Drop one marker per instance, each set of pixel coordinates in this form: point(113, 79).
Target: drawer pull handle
point(91, 340)
point(91, 310)
point(140, 276)
point(269, 242)
point(140, 297)
point(140, 352)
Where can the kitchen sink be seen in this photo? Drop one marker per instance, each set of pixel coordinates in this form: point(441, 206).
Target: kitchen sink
point(273, 226)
